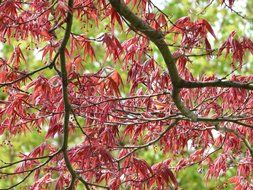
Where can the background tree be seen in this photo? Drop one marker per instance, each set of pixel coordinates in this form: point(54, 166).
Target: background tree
point(122, 94)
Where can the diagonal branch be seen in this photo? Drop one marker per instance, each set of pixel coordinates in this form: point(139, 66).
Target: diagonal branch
point(157, 37)
point(50, 65)
point(32, 170)
point(136, 148)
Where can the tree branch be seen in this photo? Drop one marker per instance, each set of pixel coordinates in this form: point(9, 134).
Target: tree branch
point(50, 65)
point(67, 106)
point(157, 37)
point(136, 148)
point(32, 170)
point(217, 83)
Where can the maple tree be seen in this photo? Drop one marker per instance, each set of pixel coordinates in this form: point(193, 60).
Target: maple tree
point(103, 119)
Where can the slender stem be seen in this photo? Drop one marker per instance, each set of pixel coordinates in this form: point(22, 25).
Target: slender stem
point(136, 148)
point(50, 65)
point(67, 106)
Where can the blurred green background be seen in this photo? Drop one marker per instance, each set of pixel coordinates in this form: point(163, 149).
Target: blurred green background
point(223, 21)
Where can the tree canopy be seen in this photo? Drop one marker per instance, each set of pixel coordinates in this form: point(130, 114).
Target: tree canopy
point(126, 94)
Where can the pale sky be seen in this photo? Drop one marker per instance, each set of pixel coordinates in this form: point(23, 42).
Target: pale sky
point(160, 3)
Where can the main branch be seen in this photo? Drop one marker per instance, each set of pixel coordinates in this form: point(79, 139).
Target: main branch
point(67, 106)
point(157, 38)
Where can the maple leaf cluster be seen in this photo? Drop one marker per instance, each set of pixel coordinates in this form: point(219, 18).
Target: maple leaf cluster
point(107, 116)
